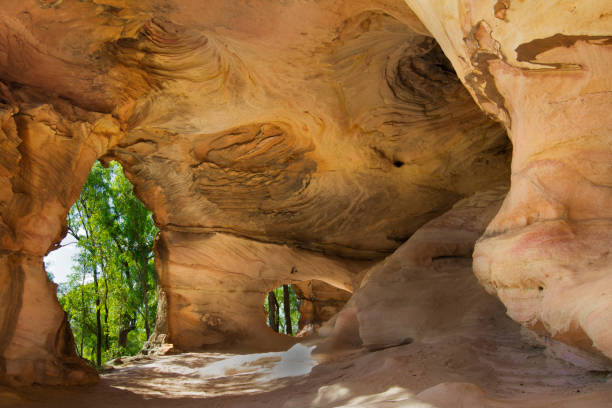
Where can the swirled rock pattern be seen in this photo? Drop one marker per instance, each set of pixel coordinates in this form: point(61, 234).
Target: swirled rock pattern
point(241, 143)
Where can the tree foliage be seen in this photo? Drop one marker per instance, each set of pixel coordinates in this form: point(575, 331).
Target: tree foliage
point(110, 297)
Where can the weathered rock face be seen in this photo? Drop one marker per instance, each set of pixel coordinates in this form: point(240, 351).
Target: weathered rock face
point(319, 302)
point(215, 285)
point(426, 289)
point(46, 151)
point(283, 142)
point(544, 73)
point(339, 128)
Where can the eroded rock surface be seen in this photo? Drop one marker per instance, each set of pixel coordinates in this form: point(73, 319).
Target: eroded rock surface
point(319, 302)
point(46, 151)
point(294, 147)
point(215, 285)
point(544, 73)
point(423, 289)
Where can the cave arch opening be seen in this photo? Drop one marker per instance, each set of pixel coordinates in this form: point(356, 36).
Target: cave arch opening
point(300, 308)
point(104, 268)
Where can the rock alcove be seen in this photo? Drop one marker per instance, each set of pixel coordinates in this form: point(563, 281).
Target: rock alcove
point(309, 304)
point(446, 162)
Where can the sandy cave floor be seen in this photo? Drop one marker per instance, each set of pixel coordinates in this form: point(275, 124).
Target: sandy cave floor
point(510, 373)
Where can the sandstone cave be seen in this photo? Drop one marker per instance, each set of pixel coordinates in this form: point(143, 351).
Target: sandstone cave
point(432, 179)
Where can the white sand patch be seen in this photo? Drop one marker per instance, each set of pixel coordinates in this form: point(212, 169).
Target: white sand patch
point(292, 363)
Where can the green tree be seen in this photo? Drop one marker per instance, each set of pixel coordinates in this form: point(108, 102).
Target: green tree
point(112, 289)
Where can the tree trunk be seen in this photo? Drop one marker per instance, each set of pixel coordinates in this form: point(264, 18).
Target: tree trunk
point(106, 337)
point(98, 320)
point(127, 325)
point(123, 335)
point(287, 307)
point(270, 309)
point(273, 311)
point(82, 315)
point(145, 289)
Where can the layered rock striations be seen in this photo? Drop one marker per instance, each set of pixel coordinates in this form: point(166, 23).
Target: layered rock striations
point(312, 144)
point(286, 144)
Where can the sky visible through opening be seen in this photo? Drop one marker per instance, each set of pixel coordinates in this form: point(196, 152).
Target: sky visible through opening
point(59, 262)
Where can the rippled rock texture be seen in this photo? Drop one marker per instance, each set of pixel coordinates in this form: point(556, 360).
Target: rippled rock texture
point(280, 142)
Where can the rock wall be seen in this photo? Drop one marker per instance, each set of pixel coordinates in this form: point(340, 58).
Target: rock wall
point(319, 302)
point(215, 285)
point(340, 136)
point(543, 72)
point(46, 151)
point(425, 289)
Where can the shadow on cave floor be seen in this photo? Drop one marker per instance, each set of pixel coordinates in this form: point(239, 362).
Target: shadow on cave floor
point(513, 373)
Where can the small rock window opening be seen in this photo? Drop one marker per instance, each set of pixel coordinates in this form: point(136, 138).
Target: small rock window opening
point(309, 304)
point(282, 310)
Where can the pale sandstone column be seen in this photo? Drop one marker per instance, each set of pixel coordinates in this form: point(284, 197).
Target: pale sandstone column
point(543, 70)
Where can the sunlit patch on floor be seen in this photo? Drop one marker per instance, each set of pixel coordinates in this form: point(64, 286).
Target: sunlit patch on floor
point(213, 374)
